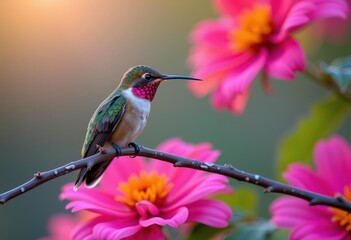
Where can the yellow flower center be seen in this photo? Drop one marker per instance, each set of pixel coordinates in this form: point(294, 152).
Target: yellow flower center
point(151, 187)
point(341, 216)
point(254, 27)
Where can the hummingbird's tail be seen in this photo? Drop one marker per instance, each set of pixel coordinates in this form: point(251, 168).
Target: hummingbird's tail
point(91, 177)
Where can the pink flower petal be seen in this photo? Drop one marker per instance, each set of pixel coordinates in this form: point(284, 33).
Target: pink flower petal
point(60, 226)
point(173, 218)
point(212, 32)
point(318, 230)
point(304, 12)
point(203, 56)
point(188, 180)
point(236, 104)
point(333, 157)
point(234, 91)
point(146, 208)
point(285, 59)
point(204, 186)
point(298, 16)
point(220, 64)
point(94, 200)
point(209, 84)
point(84, 230)
point(181, 176)
point(219, 217)
point(120, 170)
point(280, 9)
point(330, 8)
point(241, 78)
point(290, 211)
point(202, 153)
point(150, 233)
point(103, 227)
point(303, 177)
point(228, 7)
point(112, 231)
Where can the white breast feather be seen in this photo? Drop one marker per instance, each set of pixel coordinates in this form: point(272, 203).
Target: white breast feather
point(133, 120)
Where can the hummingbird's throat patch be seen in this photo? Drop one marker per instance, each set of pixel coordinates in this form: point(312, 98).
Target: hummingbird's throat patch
point(152, 187)
point(146, 92)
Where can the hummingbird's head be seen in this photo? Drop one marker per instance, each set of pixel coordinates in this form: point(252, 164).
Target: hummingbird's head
point(144, 81)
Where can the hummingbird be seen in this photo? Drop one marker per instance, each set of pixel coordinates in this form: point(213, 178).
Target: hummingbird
point(121, 117)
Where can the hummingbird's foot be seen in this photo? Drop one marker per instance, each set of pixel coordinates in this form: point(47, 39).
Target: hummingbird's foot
point(117, 148)
point(136, 148)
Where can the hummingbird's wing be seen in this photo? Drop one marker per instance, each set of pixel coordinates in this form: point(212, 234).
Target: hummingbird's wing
point(102, 123)
point(100, 128)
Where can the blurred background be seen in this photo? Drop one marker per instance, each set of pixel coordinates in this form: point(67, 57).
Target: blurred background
point(60, 58)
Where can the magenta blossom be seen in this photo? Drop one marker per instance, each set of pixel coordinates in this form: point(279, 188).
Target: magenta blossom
point(331, 177)
point(252, 35)
point(60, 227)
point(136, 197)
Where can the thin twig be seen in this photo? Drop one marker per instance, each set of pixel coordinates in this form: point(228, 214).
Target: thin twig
point(315, 74)
point(227, 170)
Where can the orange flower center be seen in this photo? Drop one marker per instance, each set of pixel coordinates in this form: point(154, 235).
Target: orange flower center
point(254, 27)
point(151, 187)
point(341, 216)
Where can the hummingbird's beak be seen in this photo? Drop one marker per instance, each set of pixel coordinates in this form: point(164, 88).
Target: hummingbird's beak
point(169, 77)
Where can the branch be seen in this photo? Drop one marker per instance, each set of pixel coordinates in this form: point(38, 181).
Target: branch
point(268, 184)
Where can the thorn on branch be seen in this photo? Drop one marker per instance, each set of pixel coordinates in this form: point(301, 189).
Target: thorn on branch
point(228, 165)
point(100, 149)
point(339, 198)
point(70, 167)
point(90, 166)
point(38, 175)
point(314, 201)
point(179, 163)
point(268, 189)
point(2, 201)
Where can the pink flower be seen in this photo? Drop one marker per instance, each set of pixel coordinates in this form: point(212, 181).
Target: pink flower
point(331, 176)
point(255, 35)
point(60, 227)
point(136, 197)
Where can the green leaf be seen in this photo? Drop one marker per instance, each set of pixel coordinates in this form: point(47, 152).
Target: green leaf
point(260, 230)
point(280, 234)
point(243, 199)
point(202, 231)
point(324, 118)
point(340, 71)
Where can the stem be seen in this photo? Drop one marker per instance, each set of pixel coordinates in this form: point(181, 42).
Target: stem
point(315, 75)
point(268, 184)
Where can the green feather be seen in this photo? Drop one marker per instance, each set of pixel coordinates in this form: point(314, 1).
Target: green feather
point(105, 118)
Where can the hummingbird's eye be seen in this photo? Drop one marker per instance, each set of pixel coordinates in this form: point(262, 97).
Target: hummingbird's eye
point(147, 76)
